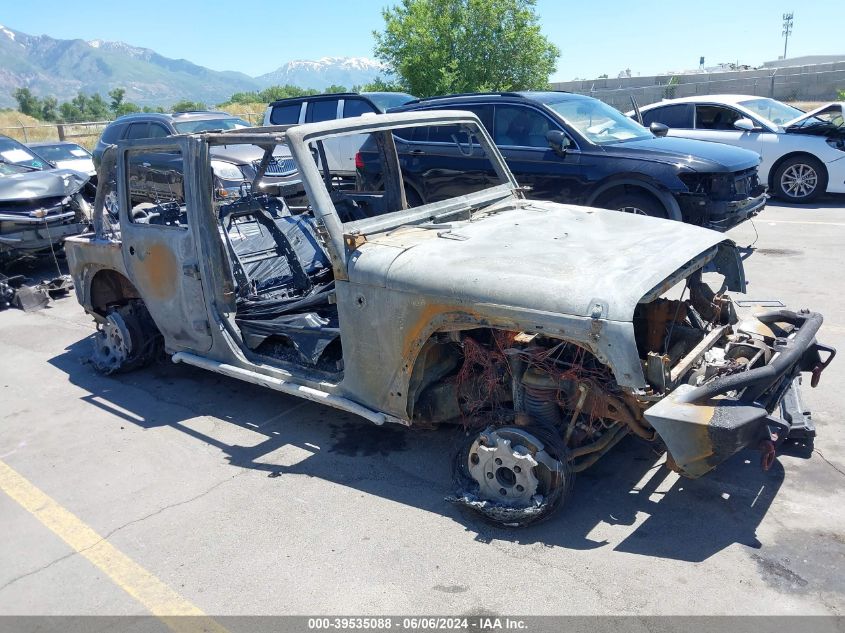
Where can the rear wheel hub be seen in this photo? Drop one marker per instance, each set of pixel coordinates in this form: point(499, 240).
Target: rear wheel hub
point(112, 344)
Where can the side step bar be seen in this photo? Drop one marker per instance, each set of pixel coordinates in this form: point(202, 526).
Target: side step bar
point(300, 391)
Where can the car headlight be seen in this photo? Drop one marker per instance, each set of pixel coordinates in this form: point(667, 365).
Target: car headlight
point(836, 143)
point(226, 171)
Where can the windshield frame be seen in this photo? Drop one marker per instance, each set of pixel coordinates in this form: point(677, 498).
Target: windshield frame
point(300, 137)
point(617, 116)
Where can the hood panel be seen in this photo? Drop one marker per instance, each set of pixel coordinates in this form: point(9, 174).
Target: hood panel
point(835, 106)
point(542, 256)
point(702, 156)
point(836, 129)
point(49, 183)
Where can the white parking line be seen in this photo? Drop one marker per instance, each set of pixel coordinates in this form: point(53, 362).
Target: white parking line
point(773, 222)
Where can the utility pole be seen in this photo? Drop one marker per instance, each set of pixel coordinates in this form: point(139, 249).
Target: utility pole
point(787, 30)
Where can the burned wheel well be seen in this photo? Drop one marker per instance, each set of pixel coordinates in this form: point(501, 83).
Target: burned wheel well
point(109, 288)
point(469, 373)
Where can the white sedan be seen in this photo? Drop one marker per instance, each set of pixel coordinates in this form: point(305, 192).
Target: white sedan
point(803, 153)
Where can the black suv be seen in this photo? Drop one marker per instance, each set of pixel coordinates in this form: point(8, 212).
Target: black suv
point(575, 149)
point(232, 165)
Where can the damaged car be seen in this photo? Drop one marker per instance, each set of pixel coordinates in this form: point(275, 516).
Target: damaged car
point(548, 332)
point(39, 206)
point(803, 153)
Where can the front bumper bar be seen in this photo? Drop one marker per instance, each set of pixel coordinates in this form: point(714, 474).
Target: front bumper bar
point(726, 215)
point(23, 235)
point(705, 425)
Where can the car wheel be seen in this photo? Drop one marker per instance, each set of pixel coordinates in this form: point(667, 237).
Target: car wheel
point(636, 203)
point(800, 179)
point(128, 339)
point(511, 475)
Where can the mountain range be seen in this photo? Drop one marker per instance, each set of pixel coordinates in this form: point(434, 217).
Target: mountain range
point(62, 68)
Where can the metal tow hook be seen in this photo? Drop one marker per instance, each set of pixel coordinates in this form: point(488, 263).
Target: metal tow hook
point(767, 459)
point(767, 448)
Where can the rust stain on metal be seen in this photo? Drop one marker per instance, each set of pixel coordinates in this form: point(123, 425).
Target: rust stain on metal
point(414, 336)
point(158, 271)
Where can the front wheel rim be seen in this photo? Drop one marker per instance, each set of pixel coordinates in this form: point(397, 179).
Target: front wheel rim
point(799, 180)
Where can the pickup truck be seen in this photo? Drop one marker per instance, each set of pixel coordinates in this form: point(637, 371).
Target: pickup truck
point(550, 332)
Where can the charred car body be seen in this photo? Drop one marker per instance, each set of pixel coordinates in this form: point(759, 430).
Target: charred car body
point(549, 331)
point(39, 205)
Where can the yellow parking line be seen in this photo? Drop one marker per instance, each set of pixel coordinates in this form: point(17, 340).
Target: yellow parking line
point(151, 592)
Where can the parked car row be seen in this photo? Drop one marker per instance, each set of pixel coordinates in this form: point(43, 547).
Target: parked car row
point(561, 147)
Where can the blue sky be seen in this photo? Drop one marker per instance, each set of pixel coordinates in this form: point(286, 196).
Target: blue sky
point(601, 36)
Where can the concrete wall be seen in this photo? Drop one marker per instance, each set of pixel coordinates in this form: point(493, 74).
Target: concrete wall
point(816, 82)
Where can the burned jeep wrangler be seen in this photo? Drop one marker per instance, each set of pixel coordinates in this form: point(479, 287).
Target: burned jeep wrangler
point(550, 332)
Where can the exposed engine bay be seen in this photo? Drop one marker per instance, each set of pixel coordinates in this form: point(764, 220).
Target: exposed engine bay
point(539, 409)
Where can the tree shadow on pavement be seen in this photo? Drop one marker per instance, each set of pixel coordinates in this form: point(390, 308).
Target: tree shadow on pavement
point(628, 501)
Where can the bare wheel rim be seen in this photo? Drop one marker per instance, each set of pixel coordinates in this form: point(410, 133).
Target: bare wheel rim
point(112, 344)
point(511, 466)
point(799, 180)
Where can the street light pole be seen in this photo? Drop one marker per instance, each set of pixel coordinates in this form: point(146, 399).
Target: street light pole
point(787, 30)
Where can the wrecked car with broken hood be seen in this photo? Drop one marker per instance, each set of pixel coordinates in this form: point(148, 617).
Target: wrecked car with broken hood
point(39, 205)
point(550, 332)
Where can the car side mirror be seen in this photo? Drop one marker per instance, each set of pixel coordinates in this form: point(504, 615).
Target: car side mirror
point(744, 124)
point(558, 141)
point(658, 129)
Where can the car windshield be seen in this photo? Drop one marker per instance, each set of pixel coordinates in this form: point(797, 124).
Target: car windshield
point(771, 110)
point(203, 125)
point(386, 100)
point(598, 122)
point(7, 169)
point(14, 153)
point(62, 151)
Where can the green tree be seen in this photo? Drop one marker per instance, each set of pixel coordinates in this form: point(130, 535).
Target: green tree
point(284, 92)
point(380, 85)
point(116, 99)
point(185, 105)
point(442, 46)
point(336, 88)
point(97, 109)
point(27, 102)
point(49, 109)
